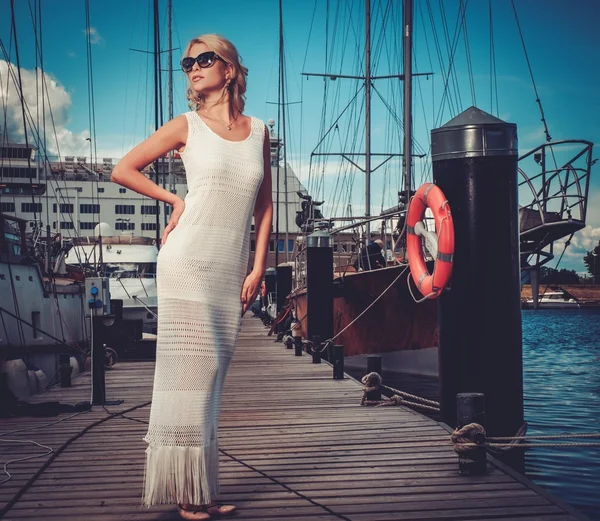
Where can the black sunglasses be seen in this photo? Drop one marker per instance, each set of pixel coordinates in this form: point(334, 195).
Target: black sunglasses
point(204, 60)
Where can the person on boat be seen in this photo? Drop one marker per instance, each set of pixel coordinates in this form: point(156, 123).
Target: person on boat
point(202, 294)
point(371, 257)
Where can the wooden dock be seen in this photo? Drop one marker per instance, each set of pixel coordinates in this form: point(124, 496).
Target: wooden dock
point(296, 446)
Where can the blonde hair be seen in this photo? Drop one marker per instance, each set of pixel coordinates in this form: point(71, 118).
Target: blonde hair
point(237, 84)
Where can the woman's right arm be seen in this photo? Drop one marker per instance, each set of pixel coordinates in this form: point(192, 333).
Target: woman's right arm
point(127, 172)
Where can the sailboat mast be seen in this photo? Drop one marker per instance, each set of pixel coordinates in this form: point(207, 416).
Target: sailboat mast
point(283, 134)
point(407, 37)
point(170, 89)
point(156, 125)
point(368, 116)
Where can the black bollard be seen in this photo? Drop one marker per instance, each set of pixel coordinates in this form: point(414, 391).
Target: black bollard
point(337, 361)
point(374, 366)
point(98, 356)
point(316, 349)
point(475, 165)
point(296, 332)
point(298, 345)
point(319, 285)
point(64, 369)
point(470, 408)
point(284, 287)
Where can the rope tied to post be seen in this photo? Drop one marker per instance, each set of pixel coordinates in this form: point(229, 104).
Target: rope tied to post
point(468, 438)
point(373, 382)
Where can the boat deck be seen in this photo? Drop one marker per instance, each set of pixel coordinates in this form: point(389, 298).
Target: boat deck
point(296, 445)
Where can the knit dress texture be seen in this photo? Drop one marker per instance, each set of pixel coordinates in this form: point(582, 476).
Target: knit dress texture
point(200, 272)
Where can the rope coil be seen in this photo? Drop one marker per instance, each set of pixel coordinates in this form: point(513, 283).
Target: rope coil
point(373, 382)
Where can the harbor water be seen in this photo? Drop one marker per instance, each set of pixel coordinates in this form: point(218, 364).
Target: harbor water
point(561, 380)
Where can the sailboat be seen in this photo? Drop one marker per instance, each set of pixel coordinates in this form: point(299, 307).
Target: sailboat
point(380, 311)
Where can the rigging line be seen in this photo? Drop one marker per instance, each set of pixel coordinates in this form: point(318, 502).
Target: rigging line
point(343, 165)
point(46, 194)
point(468, 55)
point(23, 321)
point(15, 302)
point(425, 164)
point(93, 117)
point(537, 97)
point(302, 87)
point(22, 99)
point(459, 24)
point(451, 64)
point(437, 46)
point(37, 86)
point(451, 77)
point(28, 111)
point(416, 144)
point(29, 116)
point(493, 77)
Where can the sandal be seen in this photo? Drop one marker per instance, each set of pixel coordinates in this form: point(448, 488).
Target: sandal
point(218, 509)
point(193, 513)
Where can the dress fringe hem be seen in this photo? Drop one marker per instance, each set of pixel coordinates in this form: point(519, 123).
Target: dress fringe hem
point(176, 475)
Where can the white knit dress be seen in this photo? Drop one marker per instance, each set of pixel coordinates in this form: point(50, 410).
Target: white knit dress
point(200, 273)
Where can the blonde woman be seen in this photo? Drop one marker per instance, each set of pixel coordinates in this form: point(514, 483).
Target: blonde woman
point(203, 290)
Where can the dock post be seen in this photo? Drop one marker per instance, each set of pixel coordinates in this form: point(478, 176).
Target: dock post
point(475, 164)
point(374, 366)
point(316, 350)
point(470, 408)
point(298, 346)
point(337, 361)
point(98, 356)
point(65, 370)
point(319, 285)
point(284, 287)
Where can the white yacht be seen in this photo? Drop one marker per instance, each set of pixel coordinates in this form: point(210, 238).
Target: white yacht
point(554, 300)
point(130, 263)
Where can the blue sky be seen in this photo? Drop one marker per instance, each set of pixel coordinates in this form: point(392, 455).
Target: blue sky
point(562, 41)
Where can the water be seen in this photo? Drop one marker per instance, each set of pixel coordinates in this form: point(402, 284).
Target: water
point(561, 379)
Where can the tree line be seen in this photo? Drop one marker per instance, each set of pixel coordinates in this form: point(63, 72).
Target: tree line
point(591, 261)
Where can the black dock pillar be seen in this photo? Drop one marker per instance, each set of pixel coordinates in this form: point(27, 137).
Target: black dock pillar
point(98, 357)
point(284, 284)
point(284, 287)
point(319, 286)
point(475, 164)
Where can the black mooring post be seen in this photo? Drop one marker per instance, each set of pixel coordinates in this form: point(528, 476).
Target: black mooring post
point(475, 164)
point(319, 285)
point(337, 361)
point(470, 408)
point(298, 346)
point(316, 349)
point(64, 369)
point(284, 287)
point(374, 366)
point(98, 357)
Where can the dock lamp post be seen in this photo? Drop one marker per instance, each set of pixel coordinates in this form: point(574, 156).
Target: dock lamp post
point(90, 140)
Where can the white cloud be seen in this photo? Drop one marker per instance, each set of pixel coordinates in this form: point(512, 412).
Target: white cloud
point(95, 38)
point(56, 106)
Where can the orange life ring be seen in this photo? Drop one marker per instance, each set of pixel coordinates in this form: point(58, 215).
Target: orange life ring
point(430, 196)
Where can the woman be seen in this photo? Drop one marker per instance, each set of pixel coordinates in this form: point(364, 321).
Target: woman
point(203, 290)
